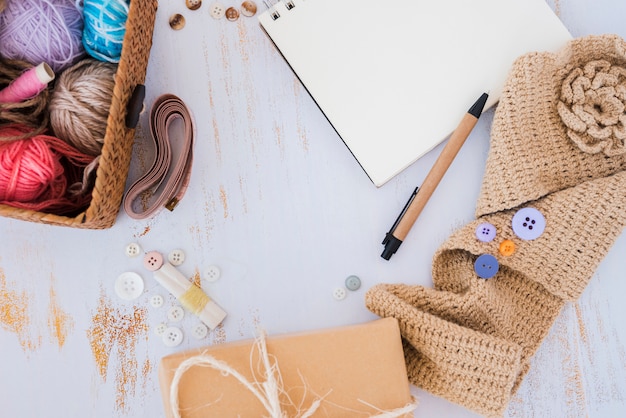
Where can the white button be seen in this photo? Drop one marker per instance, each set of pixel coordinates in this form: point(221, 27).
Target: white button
point(212, 273)
point(156, 301)
point(133, 249)
point(217, 10)
point(172, 336)
point(160, 329)
point(200, 331)
point(129, 285)
point(175, 314)
point(176, 257)
point(339, 293)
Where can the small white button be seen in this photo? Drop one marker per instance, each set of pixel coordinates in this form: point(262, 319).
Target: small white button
point(156, 301)
point(213, 273)
point(217, 10)
point(200, 331)
point(133, 249)
point(160, 329)
point(339, 293)
point(129, 285)
point(175, 314)
point(172, 336)
point(176, 257)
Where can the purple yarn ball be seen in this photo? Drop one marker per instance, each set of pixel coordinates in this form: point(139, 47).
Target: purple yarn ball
point(39, 31)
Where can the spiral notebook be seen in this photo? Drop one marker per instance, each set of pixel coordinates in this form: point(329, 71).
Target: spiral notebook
point(395, 78)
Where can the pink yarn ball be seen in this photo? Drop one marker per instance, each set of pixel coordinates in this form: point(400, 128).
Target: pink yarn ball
point(28, 170)
point(39, 31)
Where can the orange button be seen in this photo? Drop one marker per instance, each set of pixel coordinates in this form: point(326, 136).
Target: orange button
point(507, 247)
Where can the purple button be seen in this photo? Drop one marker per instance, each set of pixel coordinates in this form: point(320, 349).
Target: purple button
point(485, 232)
point(528, 223)
point(486, 266)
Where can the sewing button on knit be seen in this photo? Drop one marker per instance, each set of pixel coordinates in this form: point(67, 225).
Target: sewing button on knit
point(528, 223)
point(353, 283)
point(486, 266)
point(172, 336)
point(193, 4)
point(212, 273)
point(485, 232)
point(153, 261)
point(339, 293)
point(175, 314)
point(133, 249)
point(200, 331)
point(129, 285)
point(160, 329)
point(217, 10)
point(156, 301)
point(176, 257)
point(507, 247)
point(232, 14)
point(248, 8)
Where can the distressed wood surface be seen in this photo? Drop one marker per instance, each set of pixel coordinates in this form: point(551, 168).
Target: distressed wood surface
point(278, 203)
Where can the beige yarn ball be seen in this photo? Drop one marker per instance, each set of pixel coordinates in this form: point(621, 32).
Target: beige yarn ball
point(79, 107)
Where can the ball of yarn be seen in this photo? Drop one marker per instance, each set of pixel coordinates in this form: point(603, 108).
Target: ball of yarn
point(80, 102)
point(42, 31)
point(42, 173)
point(104, 28)
point(28, 170)
point(2, 5)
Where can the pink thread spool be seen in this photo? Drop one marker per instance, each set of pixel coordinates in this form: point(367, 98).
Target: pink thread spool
point(28, 85)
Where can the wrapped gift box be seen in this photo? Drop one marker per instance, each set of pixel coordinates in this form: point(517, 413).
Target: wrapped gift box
point(356, 370)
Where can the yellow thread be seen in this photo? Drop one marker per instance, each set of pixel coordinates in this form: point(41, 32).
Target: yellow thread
point(194, 299)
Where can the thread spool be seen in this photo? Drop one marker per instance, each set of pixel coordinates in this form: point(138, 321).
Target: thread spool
point(31, 112)
point(80, 103)
point(35, 172)
point(104, 28)
point(42, 31)
point(28, 85)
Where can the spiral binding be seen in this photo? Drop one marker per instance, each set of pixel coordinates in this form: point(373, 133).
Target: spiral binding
point(289, 4)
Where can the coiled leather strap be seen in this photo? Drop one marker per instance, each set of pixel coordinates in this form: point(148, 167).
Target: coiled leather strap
point(167, 180)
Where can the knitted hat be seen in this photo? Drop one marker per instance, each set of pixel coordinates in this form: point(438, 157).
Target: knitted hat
point(560, 121)
point(550, 208)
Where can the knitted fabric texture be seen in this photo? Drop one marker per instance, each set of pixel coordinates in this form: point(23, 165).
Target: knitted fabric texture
point(468, 339)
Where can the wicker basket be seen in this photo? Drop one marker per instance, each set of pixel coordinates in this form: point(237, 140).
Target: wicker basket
point(118, 141)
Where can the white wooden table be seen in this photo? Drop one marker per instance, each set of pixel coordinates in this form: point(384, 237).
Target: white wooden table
point(279, 204)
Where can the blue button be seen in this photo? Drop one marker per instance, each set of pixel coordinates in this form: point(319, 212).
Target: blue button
point(485, 232)
point(528, 223)
point(486, 266)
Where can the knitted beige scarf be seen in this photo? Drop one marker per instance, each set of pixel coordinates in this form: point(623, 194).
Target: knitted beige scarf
point(557, 146)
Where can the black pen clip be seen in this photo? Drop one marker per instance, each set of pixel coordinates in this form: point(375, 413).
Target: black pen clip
point(395, 224)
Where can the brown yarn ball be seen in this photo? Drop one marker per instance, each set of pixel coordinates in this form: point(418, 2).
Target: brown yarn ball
point(80, 102)
point(2, 5)
point(30, 112)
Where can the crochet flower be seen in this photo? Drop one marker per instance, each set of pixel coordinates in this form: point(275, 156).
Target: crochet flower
point(593, 107)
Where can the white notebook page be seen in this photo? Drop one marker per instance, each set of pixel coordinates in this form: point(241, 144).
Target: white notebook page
point(395, 78)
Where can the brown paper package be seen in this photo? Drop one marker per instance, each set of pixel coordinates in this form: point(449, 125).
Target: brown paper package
point(347, 366)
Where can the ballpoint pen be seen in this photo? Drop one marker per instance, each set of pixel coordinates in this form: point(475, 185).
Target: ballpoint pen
point(420, 196)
